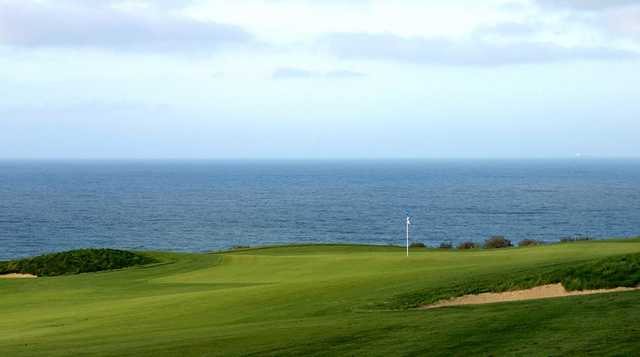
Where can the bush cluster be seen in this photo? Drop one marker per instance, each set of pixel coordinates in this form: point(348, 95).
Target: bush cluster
point(529, 242)
point(467, 245)
point(75, 262)
point(497, 242)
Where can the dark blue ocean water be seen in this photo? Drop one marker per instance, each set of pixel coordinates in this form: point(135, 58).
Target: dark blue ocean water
point(209, 205)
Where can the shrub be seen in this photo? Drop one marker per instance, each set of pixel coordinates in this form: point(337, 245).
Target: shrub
point(529, 242)
point(497, 242)
point(445, 245)
point(467, 245)
point(75, 262)
point(417, 245)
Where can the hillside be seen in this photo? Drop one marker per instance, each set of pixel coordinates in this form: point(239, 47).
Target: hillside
point(327, 300)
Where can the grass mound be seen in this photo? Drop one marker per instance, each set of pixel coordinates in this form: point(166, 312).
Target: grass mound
point(75, 262)
point(611, 272)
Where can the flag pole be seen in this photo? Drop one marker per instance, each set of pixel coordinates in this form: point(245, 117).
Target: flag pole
point(408, 223)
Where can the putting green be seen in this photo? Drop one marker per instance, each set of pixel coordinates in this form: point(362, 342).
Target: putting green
point(319, 300)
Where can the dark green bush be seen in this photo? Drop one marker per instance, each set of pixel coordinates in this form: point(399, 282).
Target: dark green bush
point(445, 245)
point(75, 262)
point(417, 245)
point(497, 242)
point(529, 242)
point(467, 245)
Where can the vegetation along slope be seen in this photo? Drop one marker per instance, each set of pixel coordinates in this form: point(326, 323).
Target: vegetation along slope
point(330, 300)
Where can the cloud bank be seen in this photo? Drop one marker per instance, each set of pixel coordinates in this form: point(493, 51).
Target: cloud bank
point(586, 4)
point(73, 24)
point(465, 52)
point(164, 26)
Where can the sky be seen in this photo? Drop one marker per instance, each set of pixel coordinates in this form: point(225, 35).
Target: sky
point(329, 79)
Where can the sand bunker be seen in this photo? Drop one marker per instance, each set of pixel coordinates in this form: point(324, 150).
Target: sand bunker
point(17, 276)
point(539, 292)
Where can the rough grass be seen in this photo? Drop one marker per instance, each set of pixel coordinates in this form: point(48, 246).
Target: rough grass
point(315, 300)
point(604, 273)
point(75, 262)
point(610, 272)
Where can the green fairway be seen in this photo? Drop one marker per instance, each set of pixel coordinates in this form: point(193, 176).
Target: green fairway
point(315, 300)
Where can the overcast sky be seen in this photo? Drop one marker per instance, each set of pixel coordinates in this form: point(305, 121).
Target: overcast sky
point(319, 78)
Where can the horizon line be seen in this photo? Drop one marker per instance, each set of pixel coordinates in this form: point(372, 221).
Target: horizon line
point(575, 158)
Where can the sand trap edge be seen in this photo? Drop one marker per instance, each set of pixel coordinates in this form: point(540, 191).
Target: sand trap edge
point(17, 276)
point(539, 292)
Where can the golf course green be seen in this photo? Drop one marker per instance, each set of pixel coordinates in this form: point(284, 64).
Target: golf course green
point(327, 300)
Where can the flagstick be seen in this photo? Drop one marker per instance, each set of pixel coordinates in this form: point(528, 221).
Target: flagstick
point(408, 223)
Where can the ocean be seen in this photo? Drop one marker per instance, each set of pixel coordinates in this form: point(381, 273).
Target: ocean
point(194, 206)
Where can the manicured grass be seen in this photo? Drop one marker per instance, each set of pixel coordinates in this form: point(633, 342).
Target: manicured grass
point(324, 300)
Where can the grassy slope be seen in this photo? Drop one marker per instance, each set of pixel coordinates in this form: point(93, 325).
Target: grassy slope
point(312, 300)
